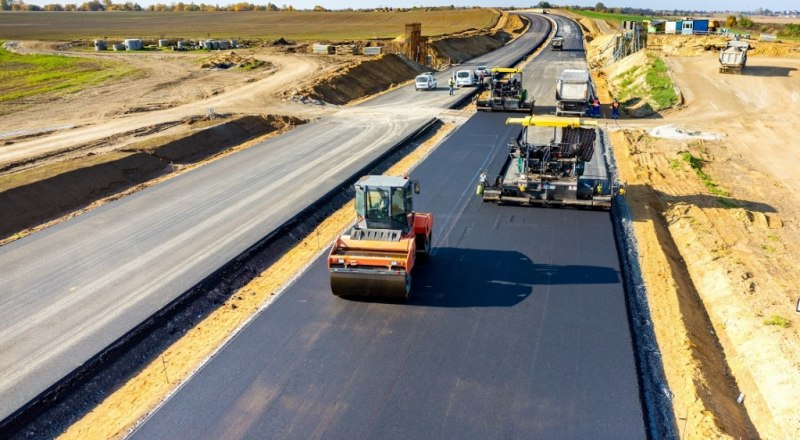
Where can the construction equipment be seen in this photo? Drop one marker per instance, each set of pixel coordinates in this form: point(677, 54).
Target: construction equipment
point(733, 58)
point(552, 173)
point(557, 43)
point(504, 92)
point(376, 256)
point(574, 92)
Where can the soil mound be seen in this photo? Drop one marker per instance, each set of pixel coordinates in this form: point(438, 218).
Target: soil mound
point(35, 196)
point(365, 78)
point(208, 141)
point(231, 59)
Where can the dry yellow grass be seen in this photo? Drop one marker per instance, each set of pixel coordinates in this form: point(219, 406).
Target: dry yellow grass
point(120, 411)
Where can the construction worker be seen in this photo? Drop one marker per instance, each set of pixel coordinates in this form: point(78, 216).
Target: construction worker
point(615, 109)
point(596, 107)
point(451, 83)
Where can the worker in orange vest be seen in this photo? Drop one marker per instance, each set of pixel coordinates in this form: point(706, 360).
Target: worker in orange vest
point(615, 109)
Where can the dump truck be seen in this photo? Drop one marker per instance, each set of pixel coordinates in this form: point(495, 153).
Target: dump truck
point(376, 256)
point(574, 92)
point(504, 92)
point(554, 172)
point(557, 43)
point(733, 57)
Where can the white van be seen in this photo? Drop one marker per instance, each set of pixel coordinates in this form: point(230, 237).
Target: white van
point(426, 81)
point(466, 78)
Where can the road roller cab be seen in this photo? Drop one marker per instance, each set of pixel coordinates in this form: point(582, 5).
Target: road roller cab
point(376, 256)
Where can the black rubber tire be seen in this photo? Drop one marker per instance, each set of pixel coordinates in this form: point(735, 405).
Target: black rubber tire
point(425, 250)
point(408, 286)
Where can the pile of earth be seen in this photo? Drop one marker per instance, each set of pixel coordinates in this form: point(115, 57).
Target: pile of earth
point(232, 59)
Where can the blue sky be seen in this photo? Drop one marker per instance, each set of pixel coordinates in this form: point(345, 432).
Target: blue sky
point(709, 5)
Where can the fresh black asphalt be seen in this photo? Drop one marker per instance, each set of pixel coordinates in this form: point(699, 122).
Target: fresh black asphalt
point(517, 328)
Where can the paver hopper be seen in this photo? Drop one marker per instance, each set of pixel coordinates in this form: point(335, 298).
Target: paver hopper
point(551, 173)
point(376, 256)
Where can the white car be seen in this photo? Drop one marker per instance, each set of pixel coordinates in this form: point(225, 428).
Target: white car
point(482, 72)
point(426, 81)
point(466, 78)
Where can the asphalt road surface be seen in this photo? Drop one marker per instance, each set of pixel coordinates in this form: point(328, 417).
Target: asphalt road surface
point(516, 328)
point(70, 291)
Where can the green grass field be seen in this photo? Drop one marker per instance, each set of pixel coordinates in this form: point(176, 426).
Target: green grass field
point(24, 76)
point(302, 25)
point(610, 17)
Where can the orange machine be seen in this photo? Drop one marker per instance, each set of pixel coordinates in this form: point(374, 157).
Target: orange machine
point(376, 256)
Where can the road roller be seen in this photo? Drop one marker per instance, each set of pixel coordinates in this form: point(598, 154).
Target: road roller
point(376, 256)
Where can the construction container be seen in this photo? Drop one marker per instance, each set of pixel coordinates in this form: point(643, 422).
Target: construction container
point(324, 49)
point(183, 45)
point(234, 44)
point(673, 27)
point(118, 46)
point(208, 45)
point(133, 44)
point(163, 43)
point(223, 45)
point(372, 50)
point(654, 26)
point(691, 26)
point(100, 45)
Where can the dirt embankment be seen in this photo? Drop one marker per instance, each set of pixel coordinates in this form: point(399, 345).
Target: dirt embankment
point(457, 49)
point(365, 78)
point(40, 194)
point(717, 240)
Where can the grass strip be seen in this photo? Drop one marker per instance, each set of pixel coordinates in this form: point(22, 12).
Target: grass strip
point(26, 76)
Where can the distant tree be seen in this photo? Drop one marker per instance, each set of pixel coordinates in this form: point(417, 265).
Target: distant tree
point(730, 21)
point(70, 7)
point(319, 8)
point(4, 5)
point(600, 7)
point(746, 22)
point(53, 7)
point(544, 5)
point(93, 5)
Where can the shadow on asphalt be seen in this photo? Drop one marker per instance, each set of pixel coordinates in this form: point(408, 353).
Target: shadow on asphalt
point(455, 277)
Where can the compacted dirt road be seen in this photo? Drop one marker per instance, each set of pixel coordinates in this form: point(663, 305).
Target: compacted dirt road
point(167, 90)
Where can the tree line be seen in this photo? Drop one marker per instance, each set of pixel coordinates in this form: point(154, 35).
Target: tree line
point(108, 5)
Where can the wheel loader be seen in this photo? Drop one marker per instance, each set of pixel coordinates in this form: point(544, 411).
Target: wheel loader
point(553, 173)
point(375, 257)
